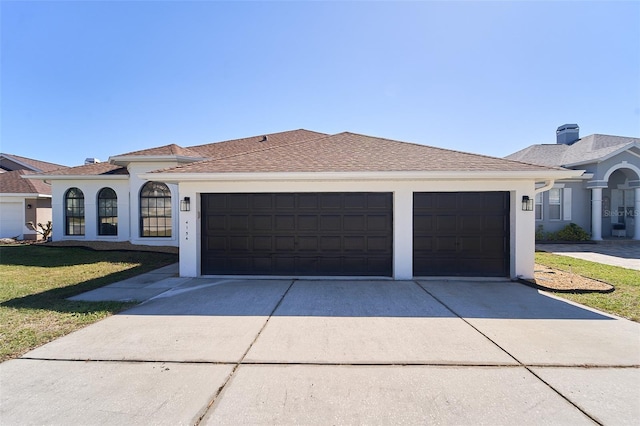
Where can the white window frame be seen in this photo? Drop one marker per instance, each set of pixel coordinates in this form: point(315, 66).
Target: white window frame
point(539, 211)
point(557, 203)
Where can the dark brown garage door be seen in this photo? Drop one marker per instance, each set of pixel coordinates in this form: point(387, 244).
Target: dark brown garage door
point(297, 234)
point(461, 234)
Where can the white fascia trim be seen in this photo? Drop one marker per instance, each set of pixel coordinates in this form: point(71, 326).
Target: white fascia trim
point(311, 176)
point(123, 161)
point(25, 195)
point(77, 177)
point(606, 157)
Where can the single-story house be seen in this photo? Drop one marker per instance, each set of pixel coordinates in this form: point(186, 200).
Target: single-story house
point(303, 203)
point(22, 200)
point(605, 200)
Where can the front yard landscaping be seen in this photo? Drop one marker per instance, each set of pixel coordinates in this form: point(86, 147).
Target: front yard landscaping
point(624, 301)
point(35, 281)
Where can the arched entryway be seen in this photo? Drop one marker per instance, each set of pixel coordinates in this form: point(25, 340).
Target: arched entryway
point(615, 203)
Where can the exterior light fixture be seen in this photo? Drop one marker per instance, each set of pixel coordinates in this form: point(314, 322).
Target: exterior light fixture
point(527, 203)
point(185, 205)
point(29, 206)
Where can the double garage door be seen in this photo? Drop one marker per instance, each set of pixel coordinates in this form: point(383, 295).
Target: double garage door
point(351, 234)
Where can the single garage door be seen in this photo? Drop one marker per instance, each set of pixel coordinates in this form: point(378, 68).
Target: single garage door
point(297, 234)
point(461, 234)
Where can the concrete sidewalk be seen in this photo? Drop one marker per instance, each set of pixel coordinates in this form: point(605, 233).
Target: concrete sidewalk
point(625, 254)
point(213, 351)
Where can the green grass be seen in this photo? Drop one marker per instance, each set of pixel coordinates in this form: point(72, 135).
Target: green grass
point(35, 282)
point(624, 301)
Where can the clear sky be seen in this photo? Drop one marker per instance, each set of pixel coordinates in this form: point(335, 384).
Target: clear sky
point(93, 79)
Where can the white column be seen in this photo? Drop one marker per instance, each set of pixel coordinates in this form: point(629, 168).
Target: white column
point(596, 214)
point(403, 235)
point(636, 215)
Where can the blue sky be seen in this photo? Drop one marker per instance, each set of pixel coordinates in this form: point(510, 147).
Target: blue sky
point(94, 79)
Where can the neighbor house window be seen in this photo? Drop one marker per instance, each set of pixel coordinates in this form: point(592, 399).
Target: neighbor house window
point(74, 212)
point(539, 206)
point(107, 212)
point(155, 210)
point(555, 203)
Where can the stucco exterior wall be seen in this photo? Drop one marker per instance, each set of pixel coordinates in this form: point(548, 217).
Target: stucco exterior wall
point(522, 229)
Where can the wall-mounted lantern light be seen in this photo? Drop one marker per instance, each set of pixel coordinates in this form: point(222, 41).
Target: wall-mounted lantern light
point(185, 205)
point(527, 203)
point(29, 206)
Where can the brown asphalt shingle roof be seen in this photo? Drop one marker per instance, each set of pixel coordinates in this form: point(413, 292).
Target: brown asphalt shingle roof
point(13, 183)
point(94, 169)
point(165, 150)
point(37, 165)
point(350, 152)
point(255, 143)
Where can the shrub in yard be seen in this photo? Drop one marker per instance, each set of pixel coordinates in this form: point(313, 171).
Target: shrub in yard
point(572, 232)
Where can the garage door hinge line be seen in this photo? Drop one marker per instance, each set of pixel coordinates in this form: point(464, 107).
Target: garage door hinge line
point(506, 352)
point(235, 367)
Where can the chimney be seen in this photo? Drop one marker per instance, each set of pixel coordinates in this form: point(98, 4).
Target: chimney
point(567, 134)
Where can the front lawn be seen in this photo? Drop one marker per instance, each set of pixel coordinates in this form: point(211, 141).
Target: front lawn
point(35, 281)
point(624, 301)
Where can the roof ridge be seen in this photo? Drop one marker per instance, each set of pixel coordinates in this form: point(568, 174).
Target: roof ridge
point(256, 136)
point(442, 149)
point(239, 154)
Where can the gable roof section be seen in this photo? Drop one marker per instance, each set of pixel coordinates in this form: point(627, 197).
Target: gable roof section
point(162, 151)
point(13, 183)
point(87, 170)
point(25, 163)
point(589, 149)
point(254, 143)
point(350, 152)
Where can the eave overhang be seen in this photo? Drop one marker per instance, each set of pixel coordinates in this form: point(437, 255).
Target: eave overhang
point(126, 160)
point(24, 195)
point(77, 177)
point(372, 176)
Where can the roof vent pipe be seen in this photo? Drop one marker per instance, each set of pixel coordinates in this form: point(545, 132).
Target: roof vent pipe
point(264, 139)
point(91, 161)
point(567, 134)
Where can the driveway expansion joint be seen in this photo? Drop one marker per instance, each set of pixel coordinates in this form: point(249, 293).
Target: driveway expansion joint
point(237, 365)
point(527, 367)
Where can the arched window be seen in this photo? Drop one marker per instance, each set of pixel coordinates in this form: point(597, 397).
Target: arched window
point(107, 212)
point(155, 210)
point(74, 212)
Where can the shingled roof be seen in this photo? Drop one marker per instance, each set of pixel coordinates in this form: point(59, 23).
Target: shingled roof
point(350, 152)
point(588, 149)
point(93, 169)
point(13, 183)
point(29, 163)
point(254, 143)
point(166, 150)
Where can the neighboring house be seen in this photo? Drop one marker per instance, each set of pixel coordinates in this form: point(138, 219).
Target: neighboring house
point(302, 203)
point(605, 201)
point(23, 200)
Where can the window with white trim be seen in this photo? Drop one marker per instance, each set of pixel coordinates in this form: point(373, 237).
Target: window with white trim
point(539, 206)
point(555, 204)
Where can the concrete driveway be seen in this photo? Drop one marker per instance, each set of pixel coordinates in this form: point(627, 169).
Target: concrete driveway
point(213, 351)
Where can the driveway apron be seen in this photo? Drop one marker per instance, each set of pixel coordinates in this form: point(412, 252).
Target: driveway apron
point(222, 351)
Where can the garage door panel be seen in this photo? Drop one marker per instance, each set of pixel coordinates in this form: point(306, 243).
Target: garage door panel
point(354, 223)
point(297, 234)
point(470, 236)
point(445, 223)
point(378, 222)
point(285, 223)
point(308, 223)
